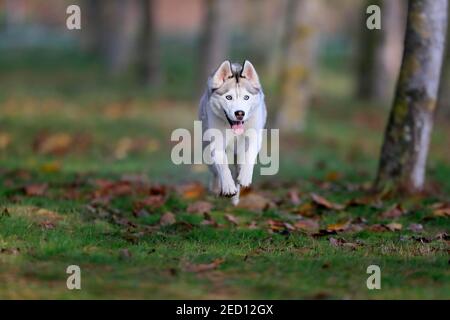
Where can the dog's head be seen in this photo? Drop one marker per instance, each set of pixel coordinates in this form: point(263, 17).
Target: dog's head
point(235, 92)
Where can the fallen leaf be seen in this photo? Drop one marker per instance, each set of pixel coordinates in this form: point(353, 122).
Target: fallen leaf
point(204, 266)
point(255, 202)
point(232, 219)
point(36, 189)
point(441, 209)
point(393, 212)
point(339, 227)
point(279, 226)
point(55, 144)
point(191, 191)
point(51, 167)
point(167, 219)
point(152, 202)
point(385, 227)
point(442, 236)
point(306, 210)
point(5, 140)
point(200, 207)
point(370, 200)
point(293, 197)
point(393, 226)
point(333, 176)
point(308, 225)
point(324, 203)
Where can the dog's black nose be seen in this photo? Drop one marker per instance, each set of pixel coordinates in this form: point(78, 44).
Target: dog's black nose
point(239, 114)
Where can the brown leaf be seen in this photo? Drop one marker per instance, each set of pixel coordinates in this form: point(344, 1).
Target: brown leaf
point(324, 203)
point(55, 144)
point(191, 191)
point(152, 202)
point(293, 197)
point(5, 140)
point(200, 207)
point(167, 219)
point(36, 189)
point(333, 176)
point(378, 228)
point(339, 227)
point(230, 218)
point(306, 210)
point(442, 236)
point(275, 225)
point(308, 225)
point(393, 226)
point(370, 200)
point(393, 212)
point(204, 266)
point(441, 209)
point(255, 202)
point(386, 227)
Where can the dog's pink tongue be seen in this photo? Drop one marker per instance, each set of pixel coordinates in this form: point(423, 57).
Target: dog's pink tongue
point(238, 128)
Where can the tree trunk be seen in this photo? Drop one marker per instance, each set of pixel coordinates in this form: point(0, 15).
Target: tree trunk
point(214, 43)
point(92, 38)
point(148, 54)
point(380, 52)
point(299, 53)
point(121, 29)
point(407, 138)
point(444, 93)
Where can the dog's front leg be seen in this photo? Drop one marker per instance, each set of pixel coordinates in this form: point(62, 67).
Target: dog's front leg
point(227, 186)
point(247, 162)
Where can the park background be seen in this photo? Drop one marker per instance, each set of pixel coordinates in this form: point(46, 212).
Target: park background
point(86, 176)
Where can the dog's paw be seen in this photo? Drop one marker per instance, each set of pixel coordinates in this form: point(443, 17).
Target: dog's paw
point(229, 188)
point(245, 178)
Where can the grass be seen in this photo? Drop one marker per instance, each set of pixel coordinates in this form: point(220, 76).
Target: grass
point(117, 132)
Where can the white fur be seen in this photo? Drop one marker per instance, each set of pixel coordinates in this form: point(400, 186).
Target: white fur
point(213, 106)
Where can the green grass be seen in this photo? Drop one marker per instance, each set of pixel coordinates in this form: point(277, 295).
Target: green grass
point(119, 130)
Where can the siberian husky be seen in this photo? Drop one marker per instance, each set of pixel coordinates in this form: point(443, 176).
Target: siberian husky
point(233, 104)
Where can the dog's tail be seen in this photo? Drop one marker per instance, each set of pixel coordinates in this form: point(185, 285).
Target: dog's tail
point(235, 198)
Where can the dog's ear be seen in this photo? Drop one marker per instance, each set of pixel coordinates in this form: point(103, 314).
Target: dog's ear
point(248, 72)
point(223, 73)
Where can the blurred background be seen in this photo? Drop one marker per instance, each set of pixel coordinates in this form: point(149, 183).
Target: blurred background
point(106, 98)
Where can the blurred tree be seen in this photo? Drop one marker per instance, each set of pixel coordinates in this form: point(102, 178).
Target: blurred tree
point(92, 37)
point(444, 93)
point(120, 29)
point(214, 42)
point(407, 138)
point(297, 62)
point(380, 51)
point(148, 62)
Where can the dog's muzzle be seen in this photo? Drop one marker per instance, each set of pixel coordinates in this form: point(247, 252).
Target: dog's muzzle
point(236, 126)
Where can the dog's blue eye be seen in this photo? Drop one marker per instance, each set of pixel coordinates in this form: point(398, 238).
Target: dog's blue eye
point(246, 97)
point(229, 97)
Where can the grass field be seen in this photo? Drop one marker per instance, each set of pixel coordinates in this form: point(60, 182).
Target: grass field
point(86, 179)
